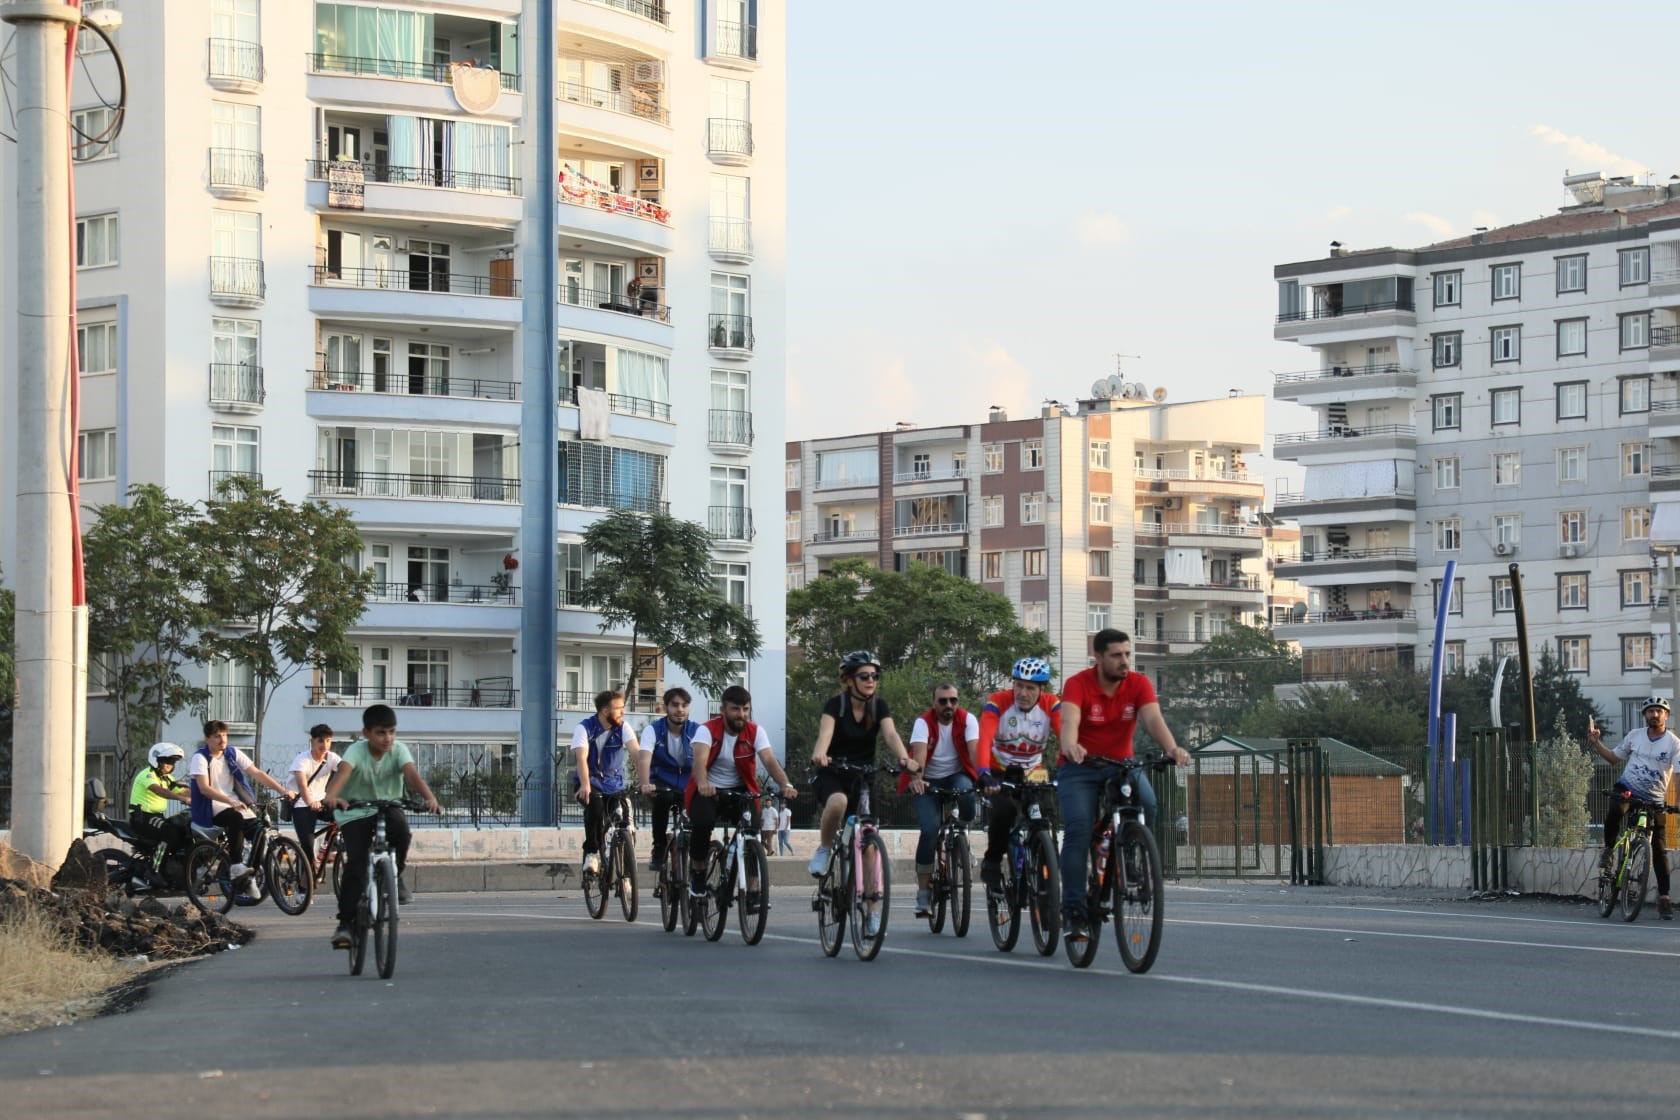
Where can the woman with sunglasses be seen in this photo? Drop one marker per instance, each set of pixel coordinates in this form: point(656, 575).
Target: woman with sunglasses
point(852, 723)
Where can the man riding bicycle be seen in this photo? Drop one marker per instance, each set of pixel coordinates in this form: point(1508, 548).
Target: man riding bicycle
point(727, 754)
point(598, 748)
point(945, 743)
point(1015, 726)
point(664, 759)
point(1649, 754)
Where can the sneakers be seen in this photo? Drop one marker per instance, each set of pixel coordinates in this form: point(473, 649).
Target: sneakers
point(592, 864)
point(696, 884)
point(924, 901)
point(1665, 909)
point(1078, 928)
point(404, 895)
point(342, 937)
point(991, 872)
point(238, 872)
point(872, 924)
point(819, 862)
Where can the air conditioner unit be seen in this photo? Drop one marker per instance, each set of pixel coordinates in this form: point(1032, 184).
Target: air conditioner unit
point(1503, 549)
point(1172, 503)
point(1569, 551)
point(648, 73)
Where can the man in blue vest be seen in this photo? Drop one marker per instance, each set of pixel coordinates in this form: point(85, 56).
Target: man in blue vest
point(663, 762)
point(600, 748)
point(222, 793)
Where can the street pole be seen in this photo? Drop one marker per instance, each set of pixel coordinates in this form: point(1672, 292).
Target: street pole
point(46, 807)
point(1673, 631)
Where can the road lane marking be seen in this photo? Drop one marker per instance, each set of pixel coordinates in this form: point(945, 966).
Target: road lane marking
point(1386, 910)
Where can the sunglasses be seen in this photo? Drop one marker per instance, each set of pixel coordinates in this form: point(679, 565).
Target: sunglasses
point(866, 676)
point(943, 700)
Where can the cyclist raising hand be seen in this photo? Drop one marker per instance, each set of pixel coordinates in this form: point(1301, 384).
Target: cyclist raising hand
point(1649, 754)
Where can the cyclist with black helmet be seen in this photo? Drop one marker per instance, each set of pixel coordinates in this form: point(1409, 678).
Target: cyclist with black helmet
point(1648, 754)
point(1015, 726)
point(852, 723)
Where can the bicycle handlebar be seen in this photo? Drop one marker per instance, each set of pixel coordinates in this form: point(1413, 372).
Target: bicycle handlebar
point(1136, 762)
point(409, 803)
point(867, 769)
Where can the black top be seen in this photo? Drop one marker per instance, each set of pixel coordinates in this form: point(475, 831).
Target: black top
point(852, 741)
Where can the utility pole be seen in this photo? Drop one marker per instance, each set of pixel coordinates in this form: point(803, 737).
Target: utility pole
point(47, 760)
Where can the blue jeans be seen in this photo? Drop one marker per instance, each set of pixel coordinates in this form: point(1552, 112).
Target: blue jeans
point(1077, 788)
point(927, 814)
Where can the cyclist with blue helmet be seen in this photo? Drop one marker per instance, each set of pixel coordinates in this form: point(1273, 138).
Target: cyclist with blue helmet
point(1015, 726)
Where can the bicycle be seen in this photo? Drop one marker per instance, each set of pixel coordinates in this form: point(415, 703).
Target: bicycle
point(859, 877)
point(329, 852)
point(1627, 873)
point(376, 912)
point(951, 883)
point(278, 867)
point(1031, 871)
point(732, 865)
point(1125, 871)
point(618, 862)
point(672, 887)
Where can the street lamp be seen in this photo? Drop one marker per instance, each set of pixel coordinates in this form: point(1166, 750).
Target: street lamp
point(1671, 589)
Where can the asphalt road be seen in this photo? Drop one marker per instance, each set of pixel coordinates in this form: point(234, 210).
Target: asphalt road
point(1267, 1001)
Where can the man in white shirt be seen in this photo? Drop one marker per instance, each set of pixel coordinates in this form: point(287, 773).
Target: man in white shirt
point(946, 742)
point(222, 793)
point(1648, 753)
point(767, 822)
point(311, 770)
point(727, 754)
point(784, 831)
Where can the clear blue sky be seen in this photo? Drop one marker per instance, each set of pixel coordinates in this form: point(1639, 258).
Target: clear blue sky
point(987, 201)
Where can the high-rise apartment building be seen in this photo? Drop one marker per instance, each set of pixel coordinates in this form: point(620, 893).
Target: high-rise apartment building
point(477, 272)
point(1492, 400)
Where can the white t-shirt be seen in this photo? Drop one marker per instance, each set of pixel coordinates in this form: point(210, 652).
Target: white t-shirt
point(1650, 763)
point(943, 762)
point(221, 778)
point(722, 772)
point(768, 824)
point(784, 819)
point(306, 764)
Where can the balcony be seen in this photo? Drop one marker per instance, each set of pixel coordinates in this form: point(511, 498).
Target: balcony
point(1341, 383)
point(734, 45)
point(730, 240)
point(729, 429)
point(730, 336)
point(237, 282)
point(234, 65)
point(219, 477)
point(390, 294)
point(646, 9)
point(603, 497)
point(236, 173)
point(1665, 418)
point(1665, 478)
point(626, 220)
point(1204, 483)
point(578, 700)
point(646, 305)
point(1389, 439)
point(1224, 534)
point(1371, 626)
point(1665, 344)
point(1664, 290)
point(417, 280)
point(486, 692)
point(1371, 318)
point(477, 197)
point(934, 529)
point(1397, 505)
point(640, 103)
point(233, 704)
point(928, 474)
point(236, 387)
point(1248, 591)
point(728, 524)
point(1349, 565)
point(845, 534)
point(414, 385)
point(401, 485)
point(729, 142)
point(455, 593)
point(624, 405)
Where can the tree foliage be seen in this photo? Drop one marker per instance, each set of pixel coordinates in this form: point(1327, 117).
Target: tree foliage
point(1557, 694)
point(1562, 773)
point(1207, 693)
point(653, 574)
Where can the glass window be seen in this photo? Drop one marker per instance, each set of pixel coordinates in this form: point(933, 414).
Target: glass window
point(1446, 408)
point(1034, 562)
point(1507, 344)
point(1032, 509)
point(1572, 464)
point(1096, 617)
point(1099, 509)
point(795, 577)
point(1636, 523)
point(1571, 337)
point(1447, 286)
point(1636, 653)
point(1032, 454)
point(96, 240)
point(1507, 468)
point(1035, 616)
point(89, 126)
point(1455, 602)
point(1572, 526)
point(1504, 647)
point(1446, 473)
point(991, 565)
point(96, 348)
point(1448, 534)
point(1635, 394)
point(1452, 657)
point(593, 474)
point(1634, 266)
point(854, 467)
point(1572, 273)
point(1507, 406)
point(795, 525)
point(1507, 281)
point(1448, 348)
point(1572, 591)
point(1507, 529)
point(1636, 587)
point(991, 458)
point(1635, 330)
point(1573, 654)
point(96, 455)
point(1636, 459)
point(991, 510)
point(1572, 400)
point(1099, 454)
point(1097, 565)
point(791, 479)
point(1504, 597)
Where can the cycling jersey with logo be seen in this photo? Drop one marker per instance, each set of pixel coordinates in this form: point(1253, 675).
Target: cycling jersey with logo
point(1650, 763)
point(1012, 737)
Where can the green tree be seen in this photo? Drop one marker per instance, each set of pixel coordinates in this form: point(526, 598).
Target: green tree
point(1385, 726)
point(1557, 693)
point(653, 574)
point(1562, 773)
point(1206, 693)
point(144, 611)
point(280, 579)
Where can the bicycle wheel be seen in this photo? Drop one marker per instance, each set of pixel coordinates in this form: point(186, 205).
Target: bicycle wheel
point(1636, 878)
point(714, 906)
point(1608, 877)
point(1003, 914)
point(118, 868)
point(289, 880)
point(866, 941)
point(939, 884)
point(337, 863)
point(595, 886)
point(629, 902)
point(1044, 893)
point(1080, 954)
point(751, 913)
point(359, 936)
point(207, 878)
point(962, 885)
point(1137, 885)
point(671, 891)
point(832, 903)
point(385, 926)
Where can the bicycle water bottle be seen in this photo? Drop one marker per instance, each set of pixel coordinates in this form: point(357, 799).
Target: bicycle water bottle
point(1102, 848)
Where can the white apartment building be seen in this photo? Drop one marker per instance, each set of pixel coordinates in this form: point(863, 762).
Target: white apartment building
point(1491, 400)
point(1122, 512)
point(477, 271)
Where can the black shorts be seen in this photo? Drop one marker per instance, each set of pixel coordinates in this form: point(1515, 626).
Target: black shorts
point(827, 783)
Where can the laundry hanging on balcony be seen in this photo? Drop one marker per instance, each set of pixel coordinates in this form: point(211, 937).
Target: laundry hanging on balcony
point(580, 190)
point(594, 416)
point(1186, 566)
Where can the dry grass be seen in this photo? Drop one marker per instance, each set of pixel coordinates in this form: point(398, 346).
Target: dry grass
point(45, 979)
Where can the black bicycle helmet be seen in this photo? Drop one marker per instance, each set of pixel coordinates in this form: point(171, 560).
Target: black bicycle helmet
point(856, 660)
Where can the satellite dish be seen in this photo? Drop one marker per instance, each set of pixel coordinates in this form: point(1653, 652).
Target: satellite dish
point(1139, 392)
point(1160, 393)
point(1115, 385)
point(1099, 389)
point(1298, 613)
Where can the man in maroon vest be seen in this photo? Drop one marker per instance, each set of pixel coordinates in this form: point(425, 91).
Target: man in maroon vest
point(945, 741)
point(727, 754)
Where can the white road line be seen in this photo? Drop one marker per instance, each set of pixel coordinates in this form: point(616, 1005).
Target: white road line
point(1237, 905)
point(1427, 937)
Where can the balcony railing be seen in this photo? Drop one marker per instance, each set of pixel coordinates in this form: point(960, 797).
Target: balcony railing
point(645, 304)
point(847, 483)
point(631, 102)
point(647, 9)
point(729, 523)
point(580, 190)
point(236, 383)
point(434, 592)
point(1348, 309)
point(482, 695)
point(417, 280)
point(1300, 497)
point(219, 477)
point(930, 475)
point(237, 169)
point(416, 384)
point(602, 497)
point(237, 278)
point(1350, 614)
point(624, 405)
point(729, 426)
point(1203, 529)
point(1348, 431)
point(737, 40)
point(1336, 556)
point(444, 178)
point(576, 700)
point(731, 237)
point(930, 530)
point(1241, 583)
point(1665, 336)
point(725, 137)
point(729, 332)
point(233, 60)
point(1182, 475)
point(232, 703)
point(825, 536)
point(1336, 372)
point(394, 484)
point(392, 68)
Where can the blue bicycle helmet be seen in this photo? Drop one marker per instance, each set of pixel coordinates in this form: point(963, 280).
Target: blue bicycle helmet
point(1033, 669)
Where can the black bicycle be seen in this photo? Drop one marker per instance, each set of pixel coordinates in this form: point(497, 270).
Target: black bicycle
point(856, 890)
point(376, 911)
point(1626, 874)
point(736, 869)
point(279, 868)
point(1125, 879)
point(1031, 874)
point(618, 862)
point(672, 886)
point(951, 882)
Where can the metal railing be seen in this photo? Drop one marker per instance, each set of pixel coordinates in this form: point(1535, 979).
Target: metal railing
point(234, 60)
point(240, 168)
point(1348, 431)
point(645, 303)
point(416, 696)
point(729, 523)
point(730, 237)
point(445, 178)
point(219, 477)
point(626, 405)
point(416, 384)
point(824, 536)
point(1183, 475)
point(1366, 614)
point(360, 67)
point(577, 700)
point(647, 9)
point(1348, 309)
point(1297, 497)
point(231, 703)
point(729, 332)
point(237, 276)
point(1338, 372)
point(729, 426)
point(601, 497)
point(1240, 583)
point(931, 475)
point(445, 592)
point(631, 102)
point(575, 190)
point(737, 40)
point(236, 383)
point(728, 137)
point(416, 280)
point(1222, 529)
point(935, 529)
point(395, 484)
point(1338, 555)
point(1665, 336)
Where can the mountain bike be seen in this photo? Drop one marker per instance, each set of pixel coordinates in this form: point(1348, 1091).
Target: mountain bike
point(1031, 871)
point(672, 886)
point(329, 852)
point(618, 862)
point(736, 866)
point(376, 912)
point(951, 882)
point(1626, 874)
point(279, 869)
point(1125, 879)
point(856, 890)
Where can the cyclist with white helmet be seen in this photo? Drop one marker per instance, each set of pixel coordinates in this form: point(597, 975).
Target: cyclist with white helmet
point(155, 786)
point(1648, 754)
point(1015, 726)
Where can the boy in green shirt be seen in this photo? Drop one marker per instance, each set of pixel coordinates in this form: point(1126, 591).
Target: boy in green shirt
point(375, 767)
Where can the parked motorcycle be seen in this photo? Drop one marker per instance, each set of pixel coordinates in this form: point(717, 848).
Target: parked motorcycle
point(146, 868)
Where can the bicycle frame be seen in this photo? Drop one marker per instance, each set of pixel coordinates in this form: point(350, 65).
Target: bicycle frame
point(858, 827)
point(378, 852)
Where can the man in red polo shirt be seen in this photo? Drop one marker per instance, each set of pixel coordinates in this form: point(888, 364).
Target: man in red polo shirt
point(1101, 708)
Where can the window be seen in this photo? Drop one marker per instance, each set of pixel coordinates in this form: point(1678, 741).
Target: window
point(1635, 394)
point(1455, 602)
point(1032, 509)
point(1636, 652)
point(1636, 459)
point(1572, 400)
point(991, 565)
point(1507, 468)
point(1636, 523)
point(991, 511)
point(1635, 330)
point(1506, 405)
point(1289, 300)
point(791, 479)
point(1446, 473)
point(1448, 348)
point(96, 455)
point(1634, 266)
point(921, 464)
point(1507, 281)
point(1507, 344)
point(731, 581)
point(1099, 509)
point(1572, 273)
point(1096, 617)
point(991, 458)
point(1447, 285)
point(233, 451)
point(794, 525)
point(1572, 654)
point(732, 308)
point(1447, 408)
point(1507, 529)
point(959, 464)
point(1035, 616)
point(1572, 591)
point(1636, 587)
point(1099, 454)
point(88, 42)
point(1097, 566)
point(96, 240)
point(795, 577)
point(859, 466)
point(1034, 562)
point(96, 348)
point(1504, 595)
point(1032, 454)
point(1571, 337)
point(1572, 526)
point(1504, 647)
point(1571, 464)
point(1448, 534)
point(88, 124)
point(1452, 660)
point(596, 475)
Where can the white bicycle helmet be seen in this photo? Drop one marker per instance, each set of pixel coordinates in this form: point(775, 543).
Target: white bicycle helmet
point(1033, 669)
point(164, 752)
point(1654, 702)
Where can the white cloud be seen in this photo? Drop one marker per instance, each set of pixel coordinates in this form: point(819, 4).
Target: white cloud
point(1587, 155)
point(1100, 229)
point(1434, 223)
point(1338, 213)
